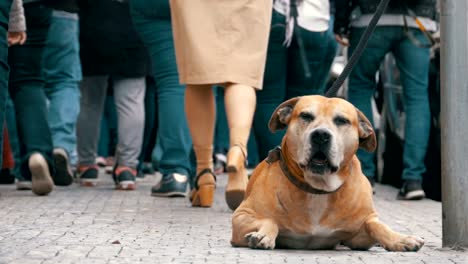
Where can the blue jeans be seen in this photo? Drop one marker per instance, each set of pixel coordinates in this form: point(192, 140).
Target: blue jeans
point(413, 63)
point(285, 77)
point(172, 151)
point(26, 86)
point(4, 16)
point(62, 72)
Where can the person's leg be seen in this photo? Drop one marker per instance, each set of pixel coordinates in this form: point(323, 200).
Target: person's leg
point(413, 63)
point(240, 102)
point(362, 81)
point(4, 16)
point(150, 117)
point(274, 88)
point(200, 110)
point(221, 136)
point(93, 93)
point(173, 139)
point(27, 91)
point(129, 97)
point(317, 57)
point(62, 70)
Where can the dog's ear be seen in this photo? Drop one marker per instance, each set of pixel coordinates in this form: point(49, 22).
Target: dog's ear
point(282, 115)
point(367, 139)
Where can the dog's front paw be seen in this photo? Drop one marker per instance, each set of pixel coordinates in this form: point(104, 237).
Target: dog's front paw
point(406, 243)
point(259, 241)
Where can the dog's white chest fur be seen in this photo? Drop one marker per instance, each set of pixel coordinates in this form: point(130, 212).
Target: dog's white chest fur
point(316, 236)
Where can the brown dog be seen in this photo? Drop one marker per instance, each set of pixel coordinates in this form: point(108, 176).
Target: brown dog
point(311, 193)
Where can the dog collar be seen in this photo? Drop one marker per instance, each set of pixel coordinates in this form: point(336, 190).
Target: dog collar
point(276, 154)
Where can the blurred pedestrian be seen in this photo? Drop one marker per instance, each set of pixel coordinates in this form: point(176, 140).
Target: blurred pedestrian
point(298, 61)
point(62, 69)
point(26, 86)
point(220, 42)
point(153, 22)
point(110, 48)
point(399, 31)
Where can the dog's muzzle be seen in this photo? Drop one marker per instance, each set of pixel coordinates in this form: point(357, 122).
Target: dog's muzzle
point(319, 159)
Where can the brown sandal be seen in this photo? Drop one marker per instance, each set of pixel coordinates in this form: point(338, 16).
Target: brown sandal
point(238, 179)
point(203, 193)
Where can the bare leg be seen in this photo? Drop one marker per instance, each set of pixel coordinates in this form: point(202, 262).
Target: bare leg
point(240, 101)
point(201, 112)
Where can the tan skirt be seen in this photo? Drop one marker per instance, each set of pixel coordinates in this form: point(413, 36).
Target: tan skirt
point(221, 41)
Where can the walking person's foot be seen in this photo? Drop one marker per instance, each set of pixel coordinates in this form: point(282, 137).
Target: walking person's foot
point(171, 185)
point(23, 184)
point(125, 178)
point(411, 190)
point(88, 175)
point(42, 182)
point(63, 173)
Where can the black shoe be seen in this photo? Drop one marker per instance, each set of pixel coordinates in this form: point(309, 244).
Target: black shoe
point(63, 173)
point(411, 190)
point(171, 185)
point(88, 175)
point(124, 178)
point(6, 177)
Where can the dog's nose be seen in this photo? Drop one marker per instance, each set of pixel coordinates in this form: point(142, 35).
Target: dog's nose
point(320, 137)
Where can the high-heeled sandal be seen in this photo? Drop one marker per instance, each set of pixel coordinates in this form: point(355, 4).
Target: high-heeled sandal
point(203, 193)
point(237, 176)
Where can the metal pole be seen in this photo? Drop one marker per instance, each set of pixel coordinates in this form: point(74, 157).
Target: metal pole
point(454, 121)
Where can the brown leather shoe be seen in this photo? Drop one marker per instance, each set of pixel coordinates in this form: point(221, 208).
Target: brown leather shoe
point(237, 176)
point(203, 193)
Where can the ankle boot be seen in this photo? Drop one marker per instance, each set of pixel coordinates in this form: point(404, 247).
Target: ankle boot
point(237, 176)
point(203, 193)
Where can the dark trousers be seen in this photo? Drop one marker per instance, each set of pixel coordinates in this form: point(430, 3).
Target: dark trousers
point(26, 88)
point(4, 15)
point(173, 147)
point(285, 75)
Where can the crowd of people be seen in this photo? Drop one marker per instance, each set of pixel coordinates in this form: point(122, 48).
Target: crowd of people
point(186, 88)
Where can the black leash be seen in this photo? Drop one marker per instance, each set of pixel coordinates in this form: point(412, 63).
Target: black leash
point(331, 92)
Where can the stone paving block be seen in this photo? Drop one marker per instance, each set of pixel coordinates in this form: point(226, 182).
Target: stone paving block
point(101, 225)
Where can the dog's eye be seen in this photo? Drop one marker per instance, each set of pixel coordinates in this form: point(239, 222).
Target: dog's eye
point(307, 117)
point(340, 121)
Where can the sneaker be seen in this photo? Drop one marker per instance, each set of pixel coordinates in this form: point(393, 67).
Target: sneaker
point(42, 182)
point(101, 162)
point(411, 190)
point(88, 175)
point(22, 184)
point(171, 185)
point(63, 174)
point(125, 178)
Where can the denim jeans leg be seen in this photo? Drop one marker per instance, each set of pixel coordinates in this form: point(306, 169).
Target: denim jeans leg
point(4, 16)
point(174, 140)
point(26, 88)
point(362, 81)
point(413, 63)
point(62, 70)
point(274, 88)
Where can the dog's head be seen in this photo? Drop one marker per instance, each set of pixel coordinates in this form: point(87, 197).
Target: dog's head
point(323, 134)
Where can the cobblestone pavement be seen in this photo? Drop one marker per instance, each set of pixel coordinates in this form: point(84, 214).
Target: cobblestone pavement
point(101, 225)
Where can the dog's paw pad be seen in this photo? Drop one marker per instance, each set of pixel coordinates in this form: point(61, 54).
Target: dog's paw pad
point(259, 241)
point(407, 243)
